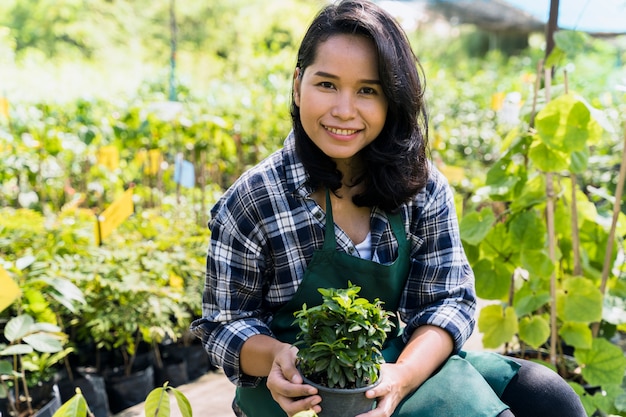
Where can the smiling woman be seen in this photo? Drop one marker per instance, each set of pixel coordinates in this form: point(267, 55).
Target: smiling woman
point(355, 170)
point(342, 104)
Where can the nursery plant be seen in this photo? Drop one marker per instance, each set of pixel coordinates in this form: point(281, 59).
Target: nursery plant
point(340, 344)
point(545, 246)
point(341, 339)
point(30, 348)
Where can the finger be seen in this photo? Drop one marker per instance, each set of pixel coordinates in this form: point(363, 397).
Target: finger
point(307, 403)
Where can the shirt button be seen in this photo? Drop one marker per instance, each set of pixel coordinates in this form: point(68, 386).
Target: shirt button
point(318, 215)
point(351, 250)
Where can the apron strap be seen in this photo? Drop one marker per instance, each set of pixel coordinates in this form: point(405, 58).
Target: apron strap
point(330, 242)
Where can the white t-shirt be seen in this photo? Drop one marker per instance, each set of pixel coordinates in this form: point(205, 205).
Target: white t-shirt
point(365, 247)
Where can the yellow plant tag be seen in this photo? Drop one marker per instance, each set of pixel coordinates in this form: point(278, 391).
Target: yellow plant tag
point(10, 290)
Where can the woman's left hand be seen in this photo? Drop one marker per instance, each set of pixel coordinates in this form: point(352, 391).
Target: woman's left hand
point(391, 390)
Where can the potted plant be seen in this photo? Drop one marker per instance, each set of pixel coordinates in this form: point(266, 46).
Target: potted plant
point(340, 344)
point(33, 342)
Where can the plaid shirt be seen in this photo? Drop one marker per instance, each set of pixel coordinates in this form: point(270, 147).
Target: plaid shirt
point(264, 231)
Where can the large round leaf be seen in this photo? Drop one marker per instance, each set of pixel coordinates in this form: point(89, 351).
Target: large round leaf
point(475, 226)
point(579, 300)
point(534, 330)
point(603, 364)
point(498, 325)
point(493, 281)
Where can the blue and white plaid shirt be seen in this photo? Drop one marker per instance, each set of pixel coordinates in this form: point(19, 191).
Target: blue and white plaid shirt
point(265, 229)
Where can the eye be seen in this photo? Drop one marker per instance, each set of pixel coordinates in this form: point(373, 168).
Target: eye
point(369, 91)
point(326, 84)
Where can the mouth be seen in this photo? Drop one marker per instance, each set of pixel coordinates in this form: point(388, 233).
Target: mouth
point(341, 132)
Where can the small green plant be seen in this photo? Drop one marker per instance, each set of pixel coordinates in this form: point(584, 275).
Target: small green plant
point(74, 407)
point(341, 339)
point(158, 402)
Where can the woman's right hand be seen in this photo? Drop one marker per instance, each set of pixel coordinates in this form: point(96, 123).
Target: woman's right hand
point(287, 387)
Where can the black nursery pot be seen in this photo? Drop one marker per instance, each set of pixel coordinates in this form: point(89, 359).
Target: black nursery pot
point(124, 391)
point(343, 402)
point(92, 387)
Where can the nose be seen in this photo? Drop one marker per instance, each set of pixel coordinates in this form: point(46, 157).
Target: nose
point(345, 106)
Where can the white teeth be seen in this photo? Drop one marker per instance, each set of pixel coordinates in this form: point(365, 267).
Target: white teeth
point(343, 132)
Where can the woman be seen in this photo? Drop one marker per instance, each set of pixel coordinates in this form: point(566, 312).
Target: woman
point(357, 155)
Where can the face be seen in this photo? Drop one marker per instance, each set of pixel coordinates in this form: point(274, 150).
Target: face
point(341, 101)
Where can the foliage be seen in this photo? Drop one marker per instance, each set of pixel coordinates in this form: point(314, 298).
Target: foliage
point(26, 337)
point(539, 245)
point(342, 338)
point(74, 407)
point(158, 402)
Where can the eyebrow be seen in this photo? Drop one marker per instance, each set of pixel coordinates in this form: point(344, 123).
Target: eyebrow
point(328, 75)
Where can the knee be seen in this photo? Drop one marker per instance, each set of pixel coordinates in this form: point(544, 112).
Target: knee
point(546, 390)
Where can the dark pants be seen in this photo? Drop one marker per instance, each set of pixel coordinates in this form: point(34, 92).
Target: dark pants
point(537, 391)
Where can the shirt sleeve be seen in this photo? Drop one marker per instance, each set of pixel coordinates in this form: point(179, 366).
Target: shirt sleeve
point(233, 293)
point(440, 288)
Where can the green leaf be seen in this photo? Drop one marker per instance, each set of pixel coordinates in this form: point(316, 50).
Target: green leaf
point(476, 225)
point(534, 330)
point(579, 161)
point(500, 179)
point(547, 159)
point(183, 403)
point(43, 342)
point(603, 364)
point(577, 335)
point(74, 407)
point(18, 327)
point(497, 324)
point(5, 367)
point(556, 58)
point(157, 402)
point(571, 42)
point(565, 124)
point(492, 280)
point(528, 229)
point(537, 263)
point(19, 349)
point(579, 300)
point(530, 297)
point(533, 193)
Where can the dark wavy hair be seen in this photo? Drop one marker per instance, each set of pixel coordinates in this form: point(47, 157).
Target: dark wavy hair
point(396, 161)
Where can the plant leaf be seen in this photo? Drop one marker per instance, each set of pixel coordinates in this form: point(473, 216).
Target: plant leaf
point(603, 364)
point(19, 349)
point(18, 327)
point(497, 324)
point(534, 330)
point(475, 226)
point(579, 300)
point(157, 402)
point(492, 280)
point(183, 403)
point(577, 335)
point(74, 407)
point(43, 342)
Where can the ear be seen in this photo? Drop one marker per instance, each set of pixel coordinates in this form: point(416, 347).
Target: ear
point(297, 80)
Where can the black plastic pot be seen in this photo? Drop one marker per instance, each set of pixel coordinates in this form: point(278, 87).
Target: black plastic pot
point(343, 402)
point(52, 405)
point(92, 387)
point(124, 391)
point(174, 371)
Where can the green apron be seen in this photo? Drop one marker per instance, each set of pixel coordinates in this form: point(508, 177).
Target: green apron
point(457, 389)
